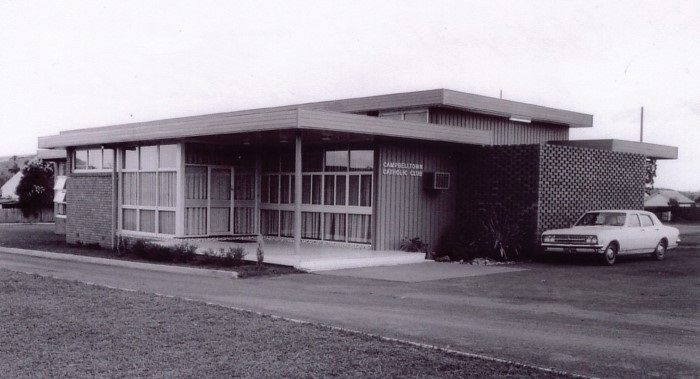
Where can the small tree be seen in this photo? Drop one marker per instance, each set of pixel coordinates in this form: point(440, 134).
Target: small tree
point(650, 174)
point(35, 189)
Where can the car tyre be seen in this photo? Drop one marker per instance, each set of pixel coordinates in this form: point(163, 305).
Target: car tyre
point(660, 252)
point(610, 255)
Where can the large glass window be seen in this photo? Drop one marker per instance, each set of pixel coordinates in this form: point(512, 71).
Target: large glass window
point(148, 186)
point(336, 160)
point(338, 179)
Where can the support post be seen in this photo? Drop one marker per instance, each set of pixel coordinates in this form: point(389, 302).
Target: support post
point(297, 194)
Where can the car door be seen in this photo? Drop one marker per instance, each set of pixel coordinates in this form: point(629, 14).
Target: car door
point(650, 233)
point(633, 233)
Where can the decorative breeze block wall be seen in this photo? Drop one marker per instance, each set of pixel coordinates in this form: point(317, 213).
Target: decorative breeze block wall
point(542, 186)
point(574, 180)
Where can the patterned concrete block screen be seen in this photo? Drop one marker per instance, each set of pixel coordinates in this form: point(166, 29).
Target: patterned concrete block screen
point(574, 180)
point(544, 186)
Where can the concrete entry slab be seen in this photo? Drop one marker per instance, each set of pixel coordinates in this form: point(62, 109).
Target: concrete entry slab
point(311, 258)
point(424, 272)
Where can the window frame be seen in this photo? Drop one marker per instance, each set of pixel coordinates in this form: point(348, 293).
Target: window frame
point(87, 151)
point(157, 208)
point(317, 181)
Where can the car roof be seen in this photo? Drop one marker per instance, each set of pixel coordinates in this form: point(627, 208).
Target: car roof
point(620, 211)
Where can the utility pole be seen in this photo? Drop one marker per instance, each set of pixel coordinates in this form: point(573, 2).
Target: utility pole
point(641, 127)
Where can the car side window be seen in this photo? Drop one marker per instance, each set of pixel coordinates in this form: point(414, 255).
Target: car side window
point(634, 221)
point(646, 221)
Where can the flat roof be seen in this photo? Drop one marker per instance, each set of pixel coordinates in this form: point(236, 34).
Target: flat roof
point(649, 150)
point(53, 154)
point(286, 117)
point(294, 119)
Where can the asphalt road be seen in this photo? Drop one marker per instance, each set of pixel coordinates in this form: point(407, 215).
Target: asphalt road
point(636, 319)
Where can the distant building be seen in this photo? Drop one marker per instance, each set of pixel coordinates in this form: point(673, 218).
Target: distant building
point(7, 191)
point(660, 198)
point(363, 172)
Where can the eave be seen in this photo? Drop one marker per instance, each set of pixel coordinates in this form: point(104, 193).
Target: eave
point(246, 122)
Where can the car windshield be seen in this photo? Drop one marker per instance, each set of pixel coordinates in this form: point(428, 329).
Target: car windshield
point(602, 218)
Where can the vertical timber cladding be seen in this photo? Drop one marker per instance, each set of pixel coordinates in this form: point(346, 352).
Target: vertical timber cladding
point(574, 180)
point(504, 131)
point(404, 209)
point(89, 207)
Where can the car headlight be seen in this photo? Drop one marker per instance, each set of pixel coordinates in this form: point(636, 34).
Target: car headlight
point(548, 238)
point(592, 240)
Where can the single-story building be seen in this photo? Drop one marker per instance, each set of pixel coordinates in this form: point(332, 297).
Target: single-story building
point(365, 172)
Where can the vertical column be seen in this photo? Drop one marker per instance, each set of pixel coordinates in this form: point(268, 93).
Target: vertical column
point(256, 183)
point(297, 194)
point(115, 197)
point(180, 193)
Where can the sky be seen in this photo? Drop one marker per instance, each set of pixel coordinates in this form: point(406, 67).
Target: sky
point(77, 64)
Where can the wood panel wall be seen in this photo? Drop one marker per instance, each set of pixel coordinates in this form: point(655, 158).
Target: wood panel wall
point(403, 209)
point(504, 131)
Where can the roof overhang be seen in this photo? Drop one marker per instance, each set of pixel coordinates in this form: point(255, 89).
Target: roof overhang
point(649, 150)
point(51, 155)
point(248, 122)
point(457, 100)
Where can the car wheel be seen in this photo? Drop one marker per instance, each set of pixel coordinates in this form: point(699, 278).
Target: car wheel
point(660, 252)
point(610, 255)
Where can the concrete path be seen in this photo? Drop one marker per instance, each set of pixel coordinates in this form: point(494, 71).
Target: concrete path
point(422, 272)
point(443, 313)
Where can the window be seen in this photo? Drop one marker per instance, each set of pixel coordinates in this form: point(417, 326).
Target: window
point(149, 187)
point(646, 221)
point(59, 197)
point(95, 159)
point(336, 194)
point(419, 115)
point(634, 222)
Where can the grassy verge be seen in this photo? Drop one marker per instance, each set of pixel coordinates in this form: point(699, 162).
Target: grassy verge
point(56, 328)
point(41, 237)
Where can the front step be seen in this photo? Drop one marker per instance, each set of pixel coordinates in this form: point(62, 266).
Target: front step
point(326, 264)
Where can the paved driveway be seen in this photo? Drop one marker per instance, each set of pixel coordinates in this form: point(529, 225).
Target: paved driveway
point(636, 319)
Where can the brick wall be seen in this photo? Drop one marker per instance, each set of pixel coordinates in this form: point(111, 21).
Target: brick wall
point(541, 187)
point(59, 225)
point(500, 181)
point(89, 208)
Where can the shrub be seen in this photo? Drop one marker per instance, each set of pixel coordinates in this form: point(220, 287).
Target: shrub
point(501, 237)
point(233, 257)
point(413, 245)
point(209, 257)
point(151, 251)
point(457, 245)
point(184, 252)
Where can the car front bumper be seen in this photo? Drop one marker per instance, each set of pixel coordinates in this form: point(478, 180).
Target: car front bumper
point(561, 248)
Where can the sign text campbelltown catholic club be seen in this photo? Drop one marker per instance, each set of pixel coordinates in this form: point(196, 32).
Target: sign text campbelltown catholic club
point(402, 169)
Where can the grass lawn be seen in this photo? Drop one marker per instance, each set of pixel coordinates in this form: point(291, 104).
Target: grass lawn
point(56, 328)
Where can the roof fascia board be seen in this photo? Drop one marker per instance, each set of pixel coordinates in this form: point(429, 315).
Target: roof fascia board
point(508, 108)
point(174, 129)
point(343, 122)
point(649, 150)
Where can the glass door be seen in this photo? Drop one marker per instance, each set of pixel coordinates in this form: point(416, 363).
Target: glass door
point(220, 207)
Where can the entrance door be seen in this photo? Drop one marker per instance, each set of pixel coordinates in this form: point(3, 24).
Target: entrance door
point(220, 200)
point(244, 202)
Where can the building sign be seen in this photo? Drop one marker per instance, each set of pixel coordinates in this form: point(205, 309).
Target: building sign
point(402, 169)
